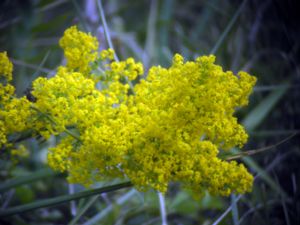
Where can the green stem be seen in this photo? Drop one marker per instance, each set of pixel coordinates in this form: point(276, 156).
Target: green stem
point(27, 179)
point(62, 199)
point(105, 28)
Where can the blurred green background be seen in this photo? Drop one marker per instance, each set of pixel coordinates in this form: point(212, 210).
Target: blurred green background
point(261, 37)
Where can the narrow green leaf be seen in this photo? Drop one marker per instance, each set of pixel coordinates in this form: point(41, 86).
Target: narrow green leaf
point(228, 28)
point(61, 199)
point(262, 110)
point(150, 44)
point(165, 17)
point(84, 209)
point(166, 12)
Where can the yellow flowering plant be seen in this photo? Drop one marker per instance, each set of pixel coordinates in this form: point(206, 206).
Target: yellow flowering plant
point(168, 127)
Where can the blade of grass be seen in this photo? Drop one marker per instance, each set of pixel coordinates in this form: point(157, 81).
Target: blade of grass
point(260, 112)
point(124, 198)
point(61, 199)
point(165, 17)
point(84, 209)
point(149, 50)
point(43, 173)
point(228, 28)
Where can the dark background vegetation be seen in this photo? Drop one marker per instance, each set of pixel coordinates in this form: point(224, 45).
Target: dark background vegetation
point(261, 37)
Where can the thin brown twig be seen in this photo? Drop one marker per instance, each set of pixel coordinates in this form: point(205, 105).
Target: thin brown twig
point(255, 151)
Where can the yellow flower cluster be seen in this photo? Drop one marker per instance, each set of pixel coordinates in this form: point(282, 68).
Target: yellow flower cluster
point(167, 128)
point(6, 67)
point(79, 49)
point(183, 115)
point(14, 112)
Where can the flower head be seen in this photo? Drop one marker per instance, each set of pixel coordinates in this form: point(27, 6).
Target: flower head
point(79, 49)
point(169, 127)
